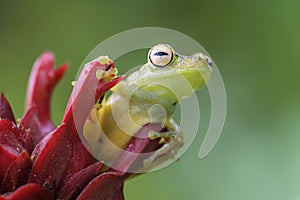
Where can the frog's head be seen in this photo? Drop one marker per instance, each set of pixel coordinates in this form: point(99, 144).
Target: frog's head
point(182, 74)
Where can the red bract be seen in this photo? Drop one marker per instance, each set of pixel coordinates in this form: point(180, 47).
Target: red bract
point(41, 161)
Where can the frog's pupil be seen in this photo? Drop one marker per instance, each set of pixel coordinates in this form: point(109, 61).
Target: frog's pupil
point(161, 53)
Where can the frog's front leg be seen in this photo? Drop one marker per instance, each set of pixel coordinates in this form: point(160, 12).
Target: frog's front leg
point(173, 140)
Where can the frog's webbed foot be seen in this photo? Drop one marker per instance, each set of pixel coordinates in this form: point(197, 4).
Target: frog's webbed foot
point(173, 141)
point(162, 135)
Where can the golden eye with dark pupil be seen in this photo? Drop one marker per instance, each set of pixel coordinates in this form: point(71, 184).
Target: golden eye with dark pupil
point(161, 55)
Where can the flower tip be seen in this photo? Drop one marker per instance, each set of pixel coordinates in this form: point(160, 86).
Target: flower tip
point(104, 60)
point(44, 62)
point(48, 55)
point(60, 71)
point(2, 96)
point(5, 109)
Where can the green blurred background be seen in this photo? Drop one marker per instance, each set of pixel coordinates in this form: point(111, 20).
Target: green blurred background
point(255, 45)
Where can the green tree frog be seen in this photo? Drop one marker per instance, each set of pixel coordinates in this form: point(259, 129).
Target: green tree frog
point(149, 95)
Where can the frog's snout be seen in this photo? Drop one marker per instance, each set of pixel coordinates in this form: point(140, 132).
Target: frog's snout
point(202, 56)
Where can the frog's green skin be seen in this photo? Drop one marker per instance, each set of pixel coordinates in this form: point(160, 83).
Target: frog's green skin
point(147, 95)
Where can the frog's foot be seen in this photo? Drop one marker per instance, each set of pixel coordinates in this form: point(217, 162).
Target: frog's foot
point(168, 150)
point(152, 135)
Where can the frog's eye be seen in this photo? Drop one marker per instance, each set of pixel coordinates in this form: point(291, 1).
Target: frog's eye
point(161, 55)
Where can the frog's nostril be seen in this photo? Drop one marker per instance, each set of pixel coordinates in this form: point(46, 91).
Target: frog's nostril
point(199, 55)
point(208, 62)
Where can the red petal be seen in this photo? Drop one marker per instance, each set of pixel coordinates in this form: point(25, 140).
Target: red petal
point(5, 109)
point(75, 185)
point(107, 186)
point(131, 159)
point(7, 156)
point(42, 81)
point(11, 136)
point(35, 130)
point(31, 191)
point(87, 90)
point(17, 173)
point(11, 145)
point(61, 154)
point(51, 158)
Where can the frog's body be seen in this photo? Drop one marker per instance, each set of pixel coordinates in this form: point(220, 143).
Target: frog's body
point(147, 95)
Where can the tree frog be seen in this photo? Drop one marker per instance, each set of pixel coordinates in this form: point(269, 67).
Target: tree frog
point(149, 95)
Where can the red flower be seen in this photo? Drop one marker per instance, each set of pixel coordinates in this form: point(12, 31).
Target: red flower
point(41, 161)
